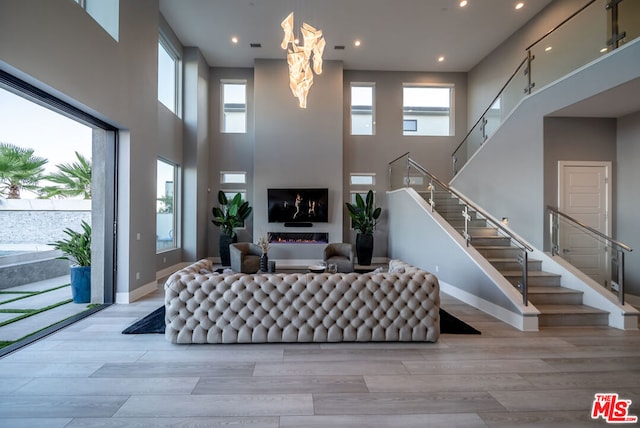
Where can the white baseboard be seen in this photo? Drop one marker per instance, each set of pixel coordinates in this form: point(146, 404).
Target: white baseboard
point(171, 269)
point(138, 293)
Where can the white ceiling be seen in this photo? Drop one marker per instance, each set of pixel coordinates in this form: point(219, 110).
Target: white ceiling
point(406, 35)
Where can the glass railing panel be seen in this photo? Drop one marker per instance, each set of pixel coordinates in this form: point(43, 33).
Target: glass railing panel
point(469, 146)
point(513, 92)
point(585, 251)
point(398, 170)
point(629, 20)
point(579, 41)
point(417, 180)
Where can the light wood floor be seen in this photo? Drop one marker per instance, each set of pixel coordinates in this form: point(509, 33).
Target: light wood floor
point(90, 375)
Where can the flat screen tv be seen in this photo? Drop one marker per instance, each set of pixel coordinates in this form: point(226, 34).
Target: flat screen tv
point(298, 205)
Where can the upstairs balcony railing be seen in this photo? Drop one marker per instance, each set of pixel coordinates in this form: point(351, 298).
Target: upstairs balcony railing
point(597, 28)
point(592, 252)
point(405, 172)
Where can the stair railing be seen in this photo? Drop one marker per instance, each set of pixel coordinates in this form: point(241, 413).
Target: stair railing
point(552, 56)
point(565, 229)
point(405, 172)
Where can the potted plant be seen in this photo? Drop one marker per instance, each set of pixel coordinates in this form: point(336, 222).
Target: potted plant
point(77, 249)
point(364, 217)
point(229, 215)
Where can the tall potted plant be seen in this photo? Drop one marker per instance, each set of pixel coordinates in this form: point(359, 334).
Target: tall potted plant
point(364, 218)
point(228, 216)
point(77, 249)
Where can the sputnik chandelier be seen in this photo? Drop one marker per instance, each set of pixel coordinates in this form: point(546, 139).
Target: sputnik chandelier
point(299, 57)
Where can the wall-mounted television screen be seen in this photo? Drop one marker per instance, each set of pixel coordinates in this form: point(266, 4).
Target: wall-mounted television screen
point(298, 205)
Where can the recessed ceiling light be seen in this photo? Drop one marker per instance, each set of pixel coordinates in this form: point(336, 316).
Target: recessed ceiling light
point(603, 50)
point(463, 3)
point(548, 48)
point(234, 40)
point(440, 58)
point(519, 5)
point(357, 43)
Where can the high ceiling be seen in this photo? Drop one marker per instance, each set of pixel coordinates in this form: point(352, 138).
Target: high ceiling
point(408, 35)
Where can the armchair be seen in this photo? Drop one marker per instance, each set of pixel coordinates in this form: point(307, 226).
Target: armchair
point(340, 254)
point(245, 257)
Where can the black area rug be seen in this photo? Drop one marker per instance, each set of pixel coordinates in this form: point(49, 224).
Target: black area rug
point(154, 323)
point(452, 325)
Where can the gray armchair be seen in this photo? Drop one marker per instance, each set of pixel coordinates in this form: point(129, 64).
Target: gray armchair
point(245, 257)
point(340, 254)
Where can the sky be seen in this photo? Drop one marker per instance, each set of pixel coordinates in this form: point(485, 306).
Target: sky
point(51, 135)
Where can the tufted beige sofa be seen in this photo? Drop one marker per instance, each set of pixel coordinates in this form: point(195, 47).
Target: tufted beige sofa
point(205, 307)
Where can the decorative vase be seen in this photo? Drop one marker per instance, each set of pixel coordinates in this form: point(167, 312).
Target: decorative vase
point(81, 284)
point(364, 249)
point(225, 255)
point(264, 262)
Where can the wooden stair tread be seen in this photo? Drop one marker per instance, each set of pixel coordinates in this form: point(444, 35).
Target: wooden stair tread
point(535, 289)
point(531, 273)
point(507, 259)
point(568, 309)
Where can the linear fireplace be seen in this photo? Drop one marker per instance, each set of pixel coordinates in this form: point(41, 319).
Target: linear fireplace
point(299, 237)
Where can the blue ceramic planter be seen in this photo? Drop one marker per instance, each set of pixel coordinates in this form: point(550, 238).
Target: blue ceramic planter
point(81, 284)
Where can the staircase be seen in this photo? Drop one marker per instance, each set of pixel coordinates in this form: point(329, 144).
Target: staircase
point(558, 306)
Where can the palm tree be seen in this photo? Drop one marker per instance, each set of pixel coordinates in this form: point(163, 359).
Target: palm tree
point(71, 180)
point(19, 170)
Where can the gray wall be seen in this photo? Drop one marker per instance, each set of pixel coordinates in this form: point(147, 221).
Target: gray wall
point(195, 169)
point(628, 204)
point(170, 143)
point(297, 147)
point(575, 139)
point(372, 153)
point(506, 176)
point(488, 76)
point(58, 47)
point(229, 152)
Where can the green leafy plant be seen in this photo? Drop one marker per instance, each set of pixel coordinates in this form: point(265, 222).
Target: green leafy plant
point(231, 213)
point(363, 214)
point(77, 246)
point(19, 170)
point(72, 179)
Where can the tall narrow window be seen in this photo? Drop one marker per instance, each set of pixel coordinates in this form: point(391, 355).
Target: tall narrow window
point(427, 110)
point(167, 174)
point(168, 75)
point(234, 106)
point(362, 110)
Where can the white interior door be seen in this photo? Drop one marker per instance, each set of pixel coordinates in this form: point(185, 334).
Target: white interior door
point(584, 194)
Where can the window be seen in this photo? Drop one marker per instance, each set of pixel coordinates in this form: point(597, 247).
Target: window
point(362, 111)
point(165, 206)
point(168, 75)
point(104, 12)
point(427, 110)
point(234, 106)
point(363, 179)
point(231, 177)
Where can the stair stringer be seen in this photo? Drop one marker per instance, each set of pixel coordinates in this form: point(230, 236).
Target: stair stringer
point(462, 271)
point(623, 317)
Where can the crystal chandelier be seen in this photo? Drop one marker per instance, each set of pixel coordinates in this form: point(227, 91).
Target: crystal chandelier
point(299, 57)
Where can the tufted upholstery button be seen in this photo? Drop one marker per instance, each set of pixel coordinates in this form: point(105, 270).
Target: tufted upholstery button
point(240, 308)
